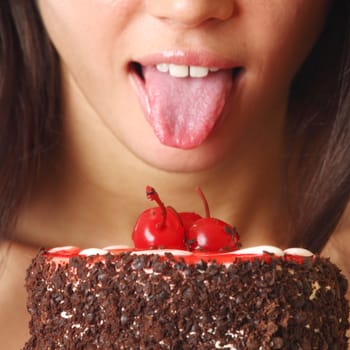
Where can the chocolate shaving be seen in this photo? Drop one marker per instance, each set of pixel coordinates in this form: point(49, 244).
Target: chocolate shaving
point(150, 302)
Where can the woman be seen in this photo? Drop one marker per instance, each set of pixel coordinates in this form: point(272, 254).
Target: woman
point(248, 99)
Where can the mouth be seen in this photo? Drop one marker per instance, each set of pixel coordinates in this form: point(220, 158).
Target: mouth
point(183, 71)
point(183, 103)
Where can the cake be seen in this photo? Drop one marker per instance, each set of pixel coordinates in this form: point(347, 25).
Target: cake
point(194, 298)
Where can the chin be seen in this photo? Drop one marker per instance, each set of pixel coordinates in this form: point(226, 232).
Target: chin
point(171, 159)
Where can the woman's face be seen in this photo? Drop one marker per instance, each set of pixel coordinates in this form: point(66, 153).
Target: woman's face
point(182, 84)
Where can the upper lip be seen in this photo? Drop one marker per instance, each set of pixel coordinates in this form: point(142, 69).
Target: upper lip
point(202, 58)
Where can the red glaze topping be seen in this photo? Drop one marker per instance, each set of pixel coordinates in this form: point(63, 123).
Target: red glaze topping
point(266, 253)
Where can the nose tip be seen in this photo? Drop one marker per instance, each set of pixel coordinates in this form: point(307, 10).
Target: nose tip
point(190, 13)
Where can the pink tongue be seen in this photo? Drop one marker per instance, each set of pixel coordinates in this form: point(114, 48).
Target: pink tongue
point(184, 111)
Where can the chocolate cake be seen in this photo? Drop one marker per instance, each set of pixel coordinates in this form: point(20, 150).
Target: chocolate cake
point(185, 285)
point(113, 298)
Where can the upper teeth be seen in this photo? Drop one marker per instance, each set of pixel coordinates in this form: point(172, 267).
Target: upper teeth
point(183, 71)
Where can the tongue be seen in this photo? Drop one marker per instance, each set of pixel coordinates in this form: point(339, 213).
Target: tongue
point(184, 111)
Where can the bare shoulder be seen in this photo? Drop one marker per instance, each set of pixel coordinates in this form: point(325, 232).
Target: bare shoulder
point(14, 260)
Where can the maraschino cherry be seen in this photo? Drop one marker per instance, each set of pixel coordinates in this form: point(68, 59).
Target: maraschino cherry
point(210, 234)
point(188, 219)
point(158, 228)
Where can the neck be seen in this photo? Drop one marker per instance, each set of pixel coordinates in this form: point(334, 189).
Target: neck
point(93, 191)
point(96, 203)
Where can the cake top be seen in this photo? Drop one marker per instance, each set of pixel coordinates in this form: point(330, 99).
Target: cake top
point(162, 230)
point(266, 252)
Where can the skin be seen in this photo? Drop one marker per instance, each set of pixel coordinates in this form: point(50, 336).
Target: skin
point(91, 192)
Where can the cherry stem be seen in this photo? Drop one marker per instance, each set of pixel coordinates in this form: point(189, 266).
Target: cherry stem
point(152, 195)
point(205, 202)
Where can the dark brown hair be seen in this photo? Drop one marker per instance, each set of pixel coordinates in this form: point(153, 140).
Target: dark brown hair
point(319, 134)
point(318, 125)
point(29, 103)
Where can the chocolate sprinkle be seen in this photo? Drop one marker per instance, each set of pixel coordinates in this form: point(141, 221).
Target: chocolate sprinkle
point(130, 302)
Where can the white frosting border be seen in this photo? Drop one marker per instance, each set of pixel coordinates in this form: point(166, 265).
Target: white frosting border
point(257, 250)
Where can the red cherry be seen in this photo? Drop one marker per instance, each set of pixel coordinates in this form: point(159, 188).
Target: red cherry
point(159, 227)
point(211, 234)
point(188, 219)
point(214, 235)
